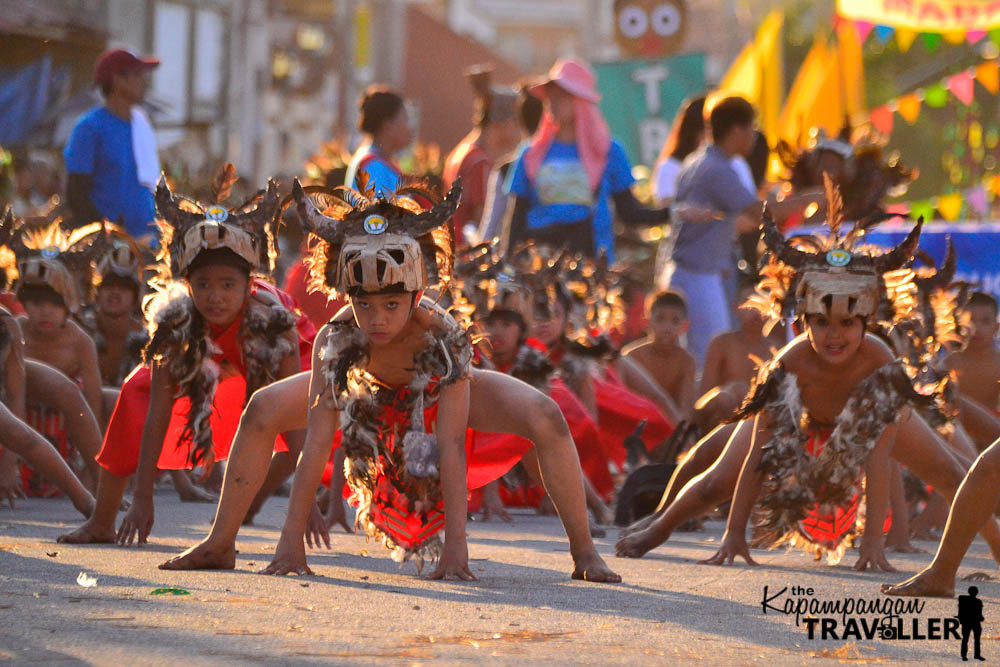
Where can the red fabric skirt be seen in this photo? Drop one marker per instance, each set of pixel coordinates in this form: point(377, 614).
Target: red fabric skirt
point(50, 423)
point(619, 411)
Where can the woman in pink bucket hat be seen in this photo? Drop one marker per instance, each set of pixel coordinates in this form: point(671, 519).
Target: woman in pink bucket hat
point(572, 168)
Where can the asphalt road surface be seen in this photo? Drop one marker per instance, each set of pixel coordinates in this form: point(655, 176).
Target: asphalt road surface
point(363, 608)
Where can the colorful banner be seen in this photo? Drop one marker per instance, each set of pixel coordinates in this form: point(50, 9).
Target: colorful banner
point(640, 97)
point(934, 16)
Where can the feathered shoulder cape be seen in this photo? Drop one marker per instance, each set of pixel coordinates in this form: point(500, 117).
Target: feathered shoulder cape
point(795, 481)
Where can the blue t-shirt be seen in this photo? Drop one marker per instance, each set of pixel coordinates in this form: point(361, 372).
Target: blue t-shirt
point(380, 173)
point(561, 193)
point(708, 179)
point(100, 146)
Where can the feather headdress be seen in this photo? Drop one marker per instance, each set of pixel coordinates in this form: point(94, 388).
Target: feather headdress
point(50, 257)
point(369, 242)
point(122, 256)
point(831, 275)
point(189, 227)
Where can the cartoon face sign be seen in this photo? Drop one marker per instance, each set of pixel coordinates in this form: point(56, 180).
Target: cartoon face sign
point(650, 28)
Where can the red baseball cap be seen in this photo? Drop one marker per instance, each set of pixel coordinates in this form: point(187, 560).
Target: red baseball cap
point(120, 61)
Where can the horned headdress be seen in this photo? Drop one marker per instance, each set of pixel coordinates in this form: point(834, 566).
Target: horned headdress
point(368, 243)
point(122, 256)
point(50, 257)
point(190, 227)
point(831, 275)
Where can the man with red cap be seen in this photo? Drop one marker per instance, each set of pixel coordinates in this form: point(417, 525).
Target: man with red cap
point(112, 146)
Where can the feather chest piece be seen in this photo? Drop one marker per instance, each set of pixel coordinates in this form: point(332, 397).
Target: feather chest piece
point(179, 339)
point(795, 481)
point(392, 463)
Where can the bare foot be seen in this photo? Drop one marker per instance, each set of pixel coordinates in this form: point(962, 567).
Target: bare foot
point(637, 544)
point(692, 526)
point(923, 585)
point(636, 526)
point(202, 557)
point(595, 530)
point(193, 494)
point(88, 533)
point(978, 576)
point(592, 567)
point(603, 514)
point(904, 547)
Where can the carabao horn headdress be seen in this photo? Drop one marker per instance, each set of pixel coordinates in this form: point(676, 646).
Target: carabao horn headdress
point(836, 278)
point(48, 257)
point(189, 228)
point(122, 257)
point(371, 243)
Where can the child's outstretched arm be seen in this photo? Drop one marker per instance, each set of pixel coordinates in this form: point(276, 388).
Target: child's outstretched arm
point(139, 518)
point(290, 554)
point(453, 417)
point(872, 550)
point(734, 541)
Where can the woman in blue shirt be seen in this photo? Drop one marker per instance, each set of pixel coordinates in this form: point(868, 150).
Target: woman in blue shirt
point(563, 181)
point(386, 125)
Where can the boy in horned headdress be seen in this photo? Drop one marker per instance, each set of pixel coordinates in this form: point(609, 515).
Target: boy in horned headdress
point(386, 372)
point(832, 405)
point(217, 334)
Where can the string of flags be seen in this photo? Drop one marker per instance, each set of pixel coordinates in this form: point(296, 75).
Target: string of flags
point(905, 37)
point(974, 202)
point(961, 86)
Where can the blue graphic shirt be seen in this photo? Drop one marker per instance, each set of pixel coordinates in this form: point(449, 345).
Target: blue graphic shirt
point(100, 146)
point(561, 192)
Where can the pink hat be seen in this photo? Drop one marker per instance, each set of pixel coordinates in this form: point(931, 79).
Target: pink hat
point(120, 61)
point(573, 76)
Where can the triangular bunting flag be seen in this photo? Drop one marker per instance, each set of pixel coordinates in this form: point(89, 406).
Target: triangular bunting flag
point(994, 185)
point(901, 208)
point(932, 40)
point(883, 33)
point(863, 28)
point(988, 75)
point(974, 36)
point(994, 35)
point(909, 107)
point(961, 87)
point(950, 206)
point(954, 36)
point(936, 95)
point(881, 118)
point(904, 39)
point(922, 209)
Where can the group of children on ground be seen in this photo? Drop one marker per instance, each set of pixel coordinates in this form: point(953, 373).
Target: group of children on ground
point(489, 377)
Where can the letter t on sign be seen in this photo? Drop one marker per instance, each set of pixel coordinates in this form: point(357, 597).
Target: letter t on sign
point(650, 78)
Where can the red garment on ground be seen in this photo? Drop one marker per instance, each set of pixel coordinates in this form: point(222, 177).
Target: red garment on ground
point(473, 164)
point(120, 452)
point(619, 411)
point(50, 423)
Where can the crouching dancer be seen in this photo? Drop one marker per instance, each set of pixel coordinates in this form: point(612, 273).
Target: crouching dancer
point(833, 405)
point(388, 372)
point(216, 335)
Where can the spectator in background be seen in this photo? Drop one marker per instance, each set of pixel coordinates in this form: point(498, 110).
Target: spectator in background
point(386, 125)
point(564, 180)
point(110, 157)
point(529, 115)
point(495, 135)
point(686, 135)
point(702, 252)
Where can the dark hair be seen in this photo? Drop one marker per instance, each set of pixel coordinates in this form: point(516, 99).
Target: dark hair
point(668, 299)
point(219, 256)
point(378, 106)
point(985, 300)
point(728, 113)
point(509, 316)
point(759, 155)
point(529, 111)
point(40, 294)
point(687, 132)
point(114, 280)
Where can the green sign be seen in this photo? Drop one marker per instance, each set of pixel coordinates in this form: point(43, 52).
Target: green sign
point(640, 98)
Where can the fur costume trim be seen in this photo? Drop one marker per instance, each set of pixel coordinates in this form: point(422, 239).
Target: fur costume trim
point(409, 461)
point(179, 339)
point(533, 367)
point(795, 481)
